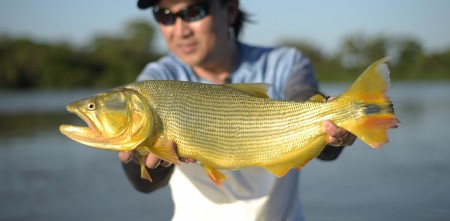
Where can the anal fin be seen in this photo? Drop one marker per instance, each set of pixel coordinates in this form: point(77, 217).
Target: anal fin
point(214, 175)
point(298, 158)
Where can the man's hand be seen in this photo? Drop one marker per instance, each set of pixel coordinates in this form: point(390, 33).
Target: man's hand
point(152, 161)
point(337, 136)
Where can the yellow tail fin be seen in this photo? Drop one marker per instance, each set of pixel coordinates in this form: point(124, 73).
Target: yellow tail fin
point(369, 91)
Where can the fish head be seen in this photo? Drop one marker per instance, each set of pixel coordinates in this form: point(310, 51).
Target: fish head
point(119, 119)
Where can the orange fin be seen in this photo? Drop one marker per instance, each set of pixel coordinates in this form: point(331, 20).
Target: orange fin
point(214, 175)
point(164, 149)
point(372, 129)
point(369, 91)
point(297, 159)
point(256, 89)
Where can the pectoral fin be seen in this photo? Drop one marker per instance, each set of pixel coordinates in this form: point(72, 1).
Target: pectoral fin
point(297, 158)
point(214, 175)
point(165, 149)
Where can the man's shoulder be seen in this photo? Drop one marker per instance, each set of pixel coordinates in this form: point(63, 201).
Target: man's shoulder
point(275, 54)
point(168, 67)
point(169, 61)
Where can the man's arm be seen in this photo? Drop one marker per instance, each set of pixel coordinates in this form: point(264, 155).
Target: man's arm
point(160, 176)
point(330, 153)
point(159, 170)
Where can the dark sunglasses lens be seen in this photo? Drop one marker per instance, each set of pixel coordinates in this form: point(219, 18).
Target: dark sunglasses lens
point(192, 13)
point(164, 17)
point(195, 13)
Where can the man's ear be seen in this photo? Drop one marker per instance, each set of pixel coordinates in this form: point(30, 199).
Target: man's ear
point(233, 10)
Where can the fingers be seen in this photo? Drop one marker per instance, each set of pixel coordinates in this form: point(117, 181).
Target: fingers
point(187, 160)
point(183, 159)
point(332, 130)
point(125, 157)
point(152, 161)
point(338, 136)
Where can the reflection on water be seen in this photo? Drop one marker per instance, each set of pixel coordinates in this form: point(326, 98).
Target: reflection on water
point(46, 176)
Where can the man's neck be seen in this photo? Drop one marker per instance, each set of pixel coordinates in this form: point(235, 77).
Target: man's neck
point(214, 76)
point(220, 70)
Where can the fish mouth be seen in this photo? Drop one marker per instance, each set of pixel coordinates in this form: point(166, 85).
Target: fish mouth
point(84, 134)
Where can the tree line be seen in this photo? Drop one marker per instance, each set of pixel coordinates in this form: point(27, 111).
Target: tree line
point(106, 61)
point(109, 61)
point(409, 61)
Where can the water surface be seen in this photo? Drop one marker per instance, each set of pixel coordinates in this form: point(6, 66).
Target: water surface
point(46, 176)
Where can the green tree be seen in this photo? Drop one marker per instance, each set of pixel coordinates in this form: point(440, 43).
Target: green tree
point(107, 61)
point(122, 58)
point(410, 58)
point(20, 62)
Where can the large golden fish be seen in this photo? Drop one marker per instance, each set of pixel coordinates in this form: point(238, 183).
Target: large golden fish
point(230, 126)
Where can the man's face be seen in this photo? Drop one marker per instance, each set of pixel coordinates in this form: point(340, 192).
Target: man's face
point(198, 42)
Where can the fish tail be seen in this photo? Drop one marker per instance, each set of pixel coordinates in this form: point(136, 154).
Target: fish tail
point(376, 112)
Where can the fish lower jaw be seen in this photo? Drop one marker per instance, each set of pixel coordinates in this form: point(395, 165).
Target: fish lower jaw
point(77, 132)
point(90, 137)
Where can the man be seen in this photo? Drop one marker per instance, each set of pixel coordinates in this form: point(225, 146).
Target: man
point(203, 39)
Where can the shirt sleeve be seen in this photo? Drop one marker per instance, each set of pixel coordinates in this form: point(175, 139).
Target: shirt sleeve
point(301, 82)
point(153, 71)
point(166, 68)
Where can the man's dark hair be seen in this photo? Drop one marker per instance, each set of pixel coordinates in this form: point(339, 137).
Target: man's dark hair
point(242, 17)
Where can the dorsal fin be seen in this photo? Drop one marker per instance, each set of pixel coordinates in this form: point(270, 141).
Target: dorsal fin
point(318, 98)
point(255, 89)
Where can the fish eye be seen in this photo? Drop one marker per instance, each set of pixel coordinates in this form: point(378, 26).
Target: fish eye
point(91, 106)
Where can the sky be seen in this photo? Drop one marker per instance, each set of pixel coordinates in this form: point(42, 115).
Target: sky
point(325, 23)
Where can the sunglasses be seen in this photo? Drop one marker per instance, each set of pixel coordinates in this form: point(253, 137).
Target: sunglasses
point(193, 12)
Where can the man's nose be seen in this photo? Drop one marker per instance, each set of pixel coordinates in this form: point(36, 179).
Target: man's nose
point(182, 28)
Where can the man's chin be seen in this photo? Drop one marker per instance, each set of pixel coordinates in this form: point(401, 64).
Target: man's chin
point(191, 60)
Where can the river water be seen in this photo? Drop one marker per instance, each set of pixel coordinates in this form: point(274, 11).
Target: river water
point(46, 176)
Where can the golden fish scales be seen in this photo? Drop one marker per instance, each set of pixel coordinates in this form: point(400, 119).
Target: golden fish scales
point(229, 129)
